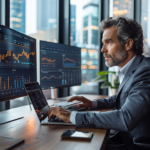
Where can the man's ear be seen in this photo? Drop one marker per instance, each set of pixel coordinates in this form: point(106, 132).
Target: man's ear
point(129, 44)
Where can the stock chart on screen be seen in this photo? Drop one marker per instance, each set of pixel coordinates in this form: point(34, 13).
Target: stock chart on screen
point(17, 62)
point(60, 65)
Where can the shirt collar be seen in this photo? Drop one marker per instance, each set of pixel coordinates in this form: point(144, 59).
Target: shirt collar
point(125, 68)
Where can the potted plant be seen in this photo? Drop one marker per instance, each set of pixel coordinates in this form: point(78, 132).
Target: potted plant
point(103, 77)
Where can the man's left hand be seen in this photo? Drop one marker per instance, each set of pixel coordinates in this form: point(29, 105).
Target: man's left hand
point(61, 113)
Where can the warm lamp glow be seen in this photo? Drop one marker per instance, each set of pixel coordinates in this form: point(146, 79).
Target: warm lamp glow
point(85, 82)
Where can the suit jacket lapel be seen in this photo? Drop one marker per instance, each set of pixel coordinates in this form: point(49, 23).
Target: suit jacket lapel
point(130, 71)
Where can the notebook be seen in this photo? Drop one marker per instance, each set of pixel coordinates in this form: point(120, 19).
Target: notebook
point(41, 106)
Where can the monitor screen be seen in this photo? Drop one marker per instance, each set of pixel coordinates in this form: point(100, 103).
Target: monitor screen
point(60, 65)
point(17, 63)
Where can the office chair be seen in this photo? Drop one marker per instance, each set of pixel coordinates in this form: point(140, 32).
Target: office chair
point(142, 142)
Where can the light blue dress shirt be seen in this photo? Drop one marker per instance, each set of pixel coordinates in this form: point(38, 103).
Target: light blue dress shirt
point(121, 73)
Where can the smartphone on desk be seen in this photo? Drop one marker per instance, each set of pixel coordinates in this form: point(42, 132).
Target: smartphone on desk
point(71, 134)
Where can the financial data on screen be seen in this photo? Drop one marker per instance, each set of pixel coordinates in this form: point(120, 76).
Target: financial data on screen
point(17, 62)
point(60, 65)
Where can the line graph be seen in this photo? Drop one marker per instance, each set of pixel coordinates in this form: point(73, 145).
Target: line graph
point(52, 76)
point(8, 54)
point(49, 80)
point(25, 58)
point(23, 53)
point(69, 62)
point(48, 60)
point(5, 58)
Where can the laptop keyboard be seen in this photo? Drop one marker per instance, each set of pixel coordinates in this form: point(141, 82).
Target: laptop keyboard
point(66, 104)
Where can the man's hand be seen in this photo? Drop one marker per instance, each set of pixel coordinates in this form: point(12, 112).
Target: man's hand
point(61, 113)
point(86, 102)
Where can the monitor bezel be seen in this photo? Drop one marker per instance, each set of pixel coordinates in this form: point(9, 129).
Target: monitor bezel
point(53, 87)
point(12, 97)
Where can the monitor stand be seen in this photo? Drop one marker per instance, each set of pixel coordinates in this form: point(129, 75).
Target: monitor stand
point(53, 93)
point(29, 101)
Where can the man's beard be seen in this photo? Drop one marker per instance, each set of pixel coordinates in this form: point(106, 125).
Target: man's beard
point(120, 56)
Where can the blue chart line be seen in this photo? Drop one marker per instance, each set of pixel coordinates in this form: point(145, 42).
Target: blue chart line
point(69, 64)
point(24, 63)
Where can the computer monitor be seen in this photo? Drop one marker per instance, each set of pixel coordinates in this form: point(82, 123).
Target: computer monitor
point(17, 63)
point(60, 65)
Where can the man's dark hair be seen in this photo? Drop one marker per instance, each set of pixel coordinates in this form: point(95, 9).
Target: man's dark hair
point(127, 28)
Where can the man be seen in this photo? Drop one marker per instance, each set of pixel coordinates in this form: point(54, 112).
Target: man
point(123, 47)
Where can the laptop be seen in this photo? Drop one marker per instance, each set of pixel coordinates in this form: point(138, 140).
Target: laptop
point(41, 106)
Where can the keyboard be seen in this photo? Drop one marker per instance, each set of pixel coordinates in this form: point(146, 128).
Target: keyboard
point(66, 104)
point(71, 106)
point(75, 108)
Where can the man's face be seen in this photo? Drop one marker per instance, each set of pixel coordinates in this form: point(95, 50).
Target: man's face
point(113, 52)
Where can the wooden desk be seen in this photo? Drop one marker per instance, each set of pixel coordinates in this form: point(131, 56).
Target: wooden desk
point(47, 137)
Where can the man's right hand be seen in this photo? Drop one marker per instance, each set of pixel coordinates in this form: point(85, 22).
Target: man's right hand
point(86, 102)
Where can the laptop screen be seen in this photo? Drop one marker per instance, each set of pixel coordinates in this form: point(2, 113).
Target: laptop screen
point(38, 100)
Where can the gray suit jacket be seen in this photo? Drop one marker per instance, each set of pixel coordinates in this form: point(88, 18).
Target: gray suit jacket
point(132, 102)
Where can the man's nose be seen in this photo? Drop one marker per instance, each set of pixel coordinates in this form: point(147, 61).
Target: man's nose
point(103, 49)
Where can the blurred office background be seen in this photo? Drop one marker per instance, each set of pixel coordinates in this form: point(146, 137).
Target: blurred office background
point(41, 19)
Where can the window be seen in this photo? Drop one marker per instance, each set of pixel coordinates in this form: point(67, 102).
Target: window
point(117, 8)
point(85, 14)
point(122, 7)
point(95, 37)
point(85, 37)
point(145, 22)
point(85, 21)
point(36, 18)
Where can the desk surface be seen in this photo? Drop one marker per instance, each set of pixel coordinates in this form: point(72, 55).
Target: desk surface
point(47, 137)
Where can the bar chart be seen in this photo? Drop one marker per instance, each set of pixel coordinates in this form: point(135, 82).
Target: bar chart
point(21, 77)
